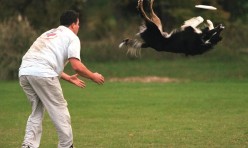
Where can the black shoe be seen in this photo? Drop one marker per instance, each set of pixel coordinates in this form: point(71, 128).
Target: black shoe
point(25, 146)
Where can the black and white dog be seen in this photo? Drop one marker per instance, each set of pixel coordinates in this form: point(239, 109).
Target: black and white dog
point(188, 39)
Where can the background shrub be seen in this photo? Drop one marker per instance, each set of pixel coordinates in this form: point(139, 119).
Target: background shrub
point(105, 23)
point(16, 37)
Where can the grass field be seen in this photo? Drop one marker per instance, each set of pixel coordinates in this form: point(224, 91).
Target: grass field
point(210, 109)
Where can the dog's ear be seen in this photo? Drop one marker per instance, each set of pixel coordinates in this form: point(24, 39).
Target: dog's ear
point(210, 25)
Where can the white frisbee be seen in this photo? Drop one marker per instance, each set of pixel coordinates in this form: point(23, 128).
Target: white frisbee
point(206, 7)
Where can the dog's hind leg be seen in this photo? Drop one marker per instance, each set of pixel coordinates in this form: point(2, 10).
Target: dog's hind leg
point(155, 19)
point(142, 12)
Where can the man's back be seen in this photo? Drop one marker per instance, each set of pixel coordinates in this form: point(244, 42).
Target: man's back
point(50, 52)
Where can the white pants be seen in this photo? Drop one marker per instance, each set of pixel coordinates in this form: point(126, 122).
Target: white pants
point(46, 94)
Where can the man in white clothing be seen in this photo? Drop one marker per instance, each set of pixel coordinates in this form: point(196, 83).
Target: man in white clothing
point(39, 74)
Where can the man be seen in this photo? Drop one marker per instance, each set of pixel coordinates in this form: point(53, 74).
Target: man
point(39, 74)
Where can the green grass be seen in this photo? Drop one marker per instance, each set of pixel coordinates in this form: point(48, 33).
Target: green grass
point(210, 109)
point(131, 115)
point(214, 66)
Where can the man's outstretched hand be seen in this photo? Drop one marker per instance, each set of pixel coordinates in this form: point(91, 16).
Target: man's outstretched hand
point(76, 81)
point(98, 78)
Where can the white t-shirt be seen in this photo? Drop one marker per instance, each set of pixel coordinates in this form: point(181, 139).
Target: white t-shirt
point(49, 54)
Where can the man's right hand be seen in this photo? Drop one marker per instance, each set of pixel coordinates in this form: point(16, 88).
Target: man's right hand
point(83, 71)
point(98, 78)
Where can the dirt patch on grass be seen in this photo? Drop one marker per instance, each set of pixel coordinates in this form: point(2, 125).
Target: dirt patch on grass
point(147, 79)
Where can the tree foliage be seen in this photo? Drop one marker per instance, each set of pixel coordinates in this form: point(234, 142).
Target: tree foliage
point(16, 37)
point(238, 9)
point(104, 23)
point(45, 13)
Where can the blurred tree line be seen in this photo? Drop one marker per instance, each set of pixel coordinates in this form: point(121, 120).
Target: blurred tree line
point(104, 23)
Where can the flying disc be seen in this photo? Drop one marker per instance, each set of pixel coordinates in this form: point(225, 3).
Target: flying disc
point(205, 7)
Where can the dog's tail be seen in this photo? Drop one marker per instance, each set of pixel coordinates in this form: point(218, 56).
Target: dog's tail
point(133, 46)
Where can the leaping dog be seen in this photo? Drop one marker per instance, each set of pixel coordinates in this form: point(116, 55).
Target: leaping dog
point(188, 39)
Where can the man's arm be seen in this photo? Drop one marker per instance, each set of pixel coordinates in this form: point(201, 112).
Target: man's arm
point(83, 71)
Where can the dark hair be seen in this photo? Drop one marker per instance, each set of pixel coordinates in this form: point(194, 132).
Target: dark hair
point(68, 17)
